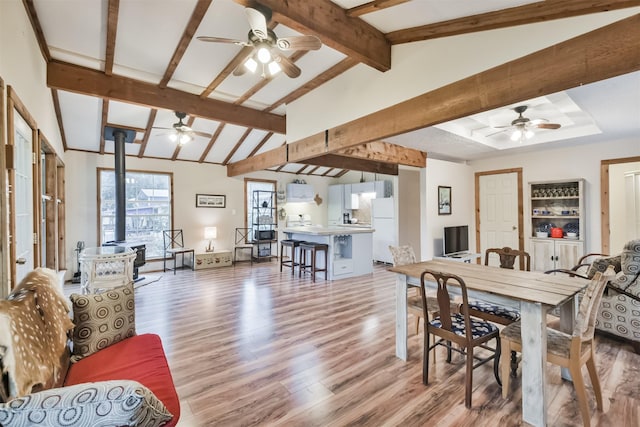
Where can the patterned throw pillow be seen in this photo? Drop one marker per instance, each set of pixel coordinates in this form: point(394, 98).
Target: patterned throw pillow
point(100, 404)
point(102, 320)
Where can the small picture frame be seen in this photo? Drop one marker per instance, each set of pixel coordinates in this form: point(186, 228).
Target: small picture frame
point(211, 201)
point(444, 200)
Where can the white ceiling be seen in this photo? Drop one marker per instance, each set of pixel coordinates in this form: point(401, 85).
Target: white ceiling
point(149, 30)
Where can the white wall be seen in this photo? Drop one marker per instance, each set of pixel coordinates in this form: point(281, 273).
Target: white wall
point(189, 179)
point(23, 68)
point(460, 178)
point(581, 161)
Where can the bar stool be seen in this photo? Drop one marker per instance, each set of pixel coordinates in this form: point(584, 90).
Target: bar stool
point(312, 248)
point(291, 262)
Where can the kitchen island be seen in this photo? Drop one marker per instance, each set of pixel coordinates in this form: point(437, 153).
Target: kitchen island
point(350, 248)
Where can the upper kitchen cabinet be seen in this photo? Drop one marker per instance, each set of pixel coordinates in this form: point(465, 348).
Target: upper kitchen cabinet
point(336, 204)
point(300, 193)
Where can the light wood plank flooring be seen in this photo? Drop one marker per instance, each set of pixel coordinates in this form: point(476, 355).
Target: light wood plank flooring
point(253, 346)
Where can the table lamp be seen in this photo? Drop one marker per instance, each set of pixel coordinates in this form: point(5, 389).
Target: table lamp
point(210, 233)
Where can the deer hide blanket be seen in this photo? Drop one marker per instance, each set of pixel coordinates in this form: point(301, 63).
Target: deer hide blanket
point(34, 322)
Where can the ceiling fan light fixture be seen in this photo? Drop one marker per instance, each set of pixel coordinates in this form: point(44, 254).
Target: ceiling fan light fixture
point(529, 134)
point(251, 65)
point(274, 68)
point(173, 137)
point(516, 135)
point(184, 138)
point(264, 55)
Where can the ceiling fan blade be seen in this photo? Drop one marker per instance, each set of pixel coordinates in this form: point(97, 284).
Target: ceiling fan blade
point(548, 125)
point(257, 22)
point(500, 131)
point(299, 43)
point(159, 127)
point(222, 40)
point(203, 134)
point(288, 67)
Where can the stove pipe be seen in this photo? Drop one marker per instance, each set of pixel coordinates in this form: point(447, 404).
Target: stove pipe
point(120, 137)
point(120, 183)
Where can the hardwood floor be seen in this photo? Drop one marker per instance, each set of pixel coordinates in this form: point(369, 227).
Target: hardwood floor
point(253, 346)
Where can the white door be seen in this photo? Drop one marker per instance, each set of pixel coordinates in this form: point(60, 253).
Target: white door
point(23, 239)
point(498, 212)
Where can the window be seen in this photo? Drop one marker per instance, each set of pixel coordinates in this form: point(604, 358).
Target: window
point(148, 208)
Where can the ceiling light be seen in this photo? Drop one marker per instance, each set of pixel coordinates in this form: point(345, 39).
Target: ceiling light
point(251, 64)
point(264, 55)
point(528, 134)
point(274, 68)
point(173, 137)
point(516, 135)
point(184, 138)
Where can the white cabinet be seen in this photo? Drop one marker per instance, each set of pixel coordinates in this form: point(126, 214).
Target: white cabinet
point(557, 205)
point(550, 254)
point(300, 193)
point(383, 189)
point(336, 203)
point(348, 200)
point(363, 187)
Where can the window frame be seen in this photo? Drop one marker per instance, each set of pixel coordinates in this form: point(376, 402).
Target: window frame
point(169, 175)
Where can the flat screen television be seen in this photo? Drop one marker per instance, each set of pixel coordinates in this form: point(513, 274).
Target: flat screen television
point(455, 240)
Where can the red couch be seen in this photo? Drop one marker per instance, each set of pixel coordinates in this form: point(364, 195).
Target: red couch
point(140, 358)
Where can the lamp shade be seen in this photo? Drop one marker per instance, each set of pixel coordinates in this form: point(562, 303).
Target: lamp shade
point(210, 232)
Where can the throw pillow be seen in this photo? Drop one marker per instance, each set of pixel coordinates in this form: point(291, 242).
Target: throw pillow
point(100, 404)
point(102, 320)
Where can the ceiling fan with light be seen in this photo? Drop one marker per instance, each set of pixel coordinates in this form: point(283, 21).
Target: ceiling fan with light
point(181, 133)
point(267, 46)
point(523, 128)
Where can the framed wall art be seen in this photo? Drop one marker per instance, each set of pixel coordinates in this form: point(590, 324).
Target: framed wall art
point(210, 201)
point(444, 200)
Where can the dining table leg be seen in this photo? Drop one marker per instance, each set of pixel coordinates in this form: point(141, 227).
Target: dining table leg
point(534, 360)
point(401, 316)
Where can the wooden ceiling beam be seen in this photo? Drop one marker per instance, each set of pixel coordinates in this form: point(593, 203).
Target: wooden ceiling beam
point(194, 22)
point(527, 14)
point(373, 6)
point(352, 163)
point(212, 141)
point(277, 156)
point(82, 80)
point(147, 132)
point(112, 29)
point(388, 153)
point(103, 123)
point(331, 23)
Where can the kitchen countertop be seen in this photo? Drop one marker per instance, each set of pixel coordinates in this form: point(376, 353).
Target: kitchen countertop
point(328, 231)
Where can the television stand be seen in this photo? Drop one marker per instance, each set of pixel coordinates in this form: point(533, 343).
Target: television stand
point(467, 257)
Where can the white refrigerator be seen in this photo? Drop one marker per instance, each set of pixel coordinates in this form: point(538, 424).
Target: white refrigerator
point(383, 221)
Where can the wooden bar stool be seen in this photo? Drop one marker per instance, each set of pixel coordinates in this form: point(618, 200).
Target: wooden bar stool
point(312, 248)
point(291, 261)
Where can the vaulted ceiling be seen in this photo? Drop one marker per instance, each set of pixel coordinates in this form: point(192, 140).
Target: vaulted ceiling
point(132, 64)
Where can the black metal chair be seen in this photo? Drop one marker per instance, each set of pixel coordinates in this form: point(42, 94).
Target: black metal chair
point(243, 241)
point(173, 246)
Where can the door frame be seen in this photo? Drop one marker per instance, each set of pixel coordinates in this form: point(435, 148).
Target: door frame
point(15, 104)
point(605, 226)
point(4, 223)
point(518, 172)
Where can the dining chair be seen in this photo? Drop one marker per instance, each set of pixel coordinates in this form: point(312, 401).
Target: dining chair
point(173, 241)
point(457, 328)
point(403, 255)
point(243, 242)
point(494, 312)
point(568, 350)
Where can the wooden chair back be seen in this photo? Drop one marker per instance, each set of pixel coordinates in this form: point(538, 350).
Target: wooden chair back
point(508, 258)
point(586, 319)
point(443, 281)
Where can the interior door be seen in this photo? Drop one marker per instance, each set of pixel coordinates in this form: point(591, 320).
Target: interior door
point(23, 191)
point(499, 213)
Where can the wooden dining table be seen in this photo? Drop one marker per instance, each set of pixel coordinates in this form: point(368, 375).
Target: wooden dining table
point(533, 293)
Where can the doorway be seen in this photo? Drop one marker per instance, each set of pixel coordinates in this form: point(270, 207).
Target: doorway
point(499, 216)
point(614, 202)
